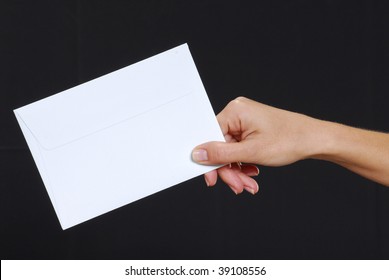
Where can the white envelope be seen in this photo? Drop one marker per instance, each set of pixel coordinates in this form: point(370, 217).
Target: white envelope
point(121, 137)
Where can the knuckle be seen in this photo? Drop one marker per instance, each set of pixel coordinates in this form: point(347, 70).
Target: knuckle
point(238, 101)
point(237, 104)
point(219, 154)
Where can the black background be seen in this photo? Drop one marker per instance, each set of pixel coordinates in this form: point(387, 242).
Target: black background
point(328, 59)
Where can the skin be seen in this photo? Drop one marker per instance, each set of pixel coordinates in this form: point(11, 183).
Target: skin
point(259, 134)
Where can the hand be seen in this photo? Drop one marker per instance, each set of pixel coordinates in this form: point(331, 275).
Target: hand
point(259, 134)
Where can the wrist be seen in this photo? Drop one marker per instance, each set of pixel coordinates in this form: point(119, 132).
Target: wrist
point(323, 140)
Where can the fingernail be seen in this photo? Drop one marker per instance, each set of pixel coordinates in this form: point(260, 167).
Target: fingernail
point(235, 191)
point(250, 190)
point(252, 174)
point(257, 187)
point(206, 181)
point(200, 155)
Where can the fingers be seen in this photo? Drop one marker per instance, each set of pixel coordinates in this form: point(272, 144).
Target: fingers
point(222, 153)
point(231, 177)
point(237, 178)
point(237, 148)
point(249, 184)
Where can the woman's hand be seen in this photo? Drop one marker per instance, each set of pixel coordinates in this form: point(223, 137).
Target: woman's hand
point(255, 133)
point(259, 134)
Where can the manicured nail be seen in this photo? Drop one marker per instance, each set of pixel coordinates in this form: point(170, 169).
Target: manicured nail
point(252, 174)
point(256, 172)
point(250, 190)
point(200, 155)
point(206, 181)
point(257, 189)
point(235, 192)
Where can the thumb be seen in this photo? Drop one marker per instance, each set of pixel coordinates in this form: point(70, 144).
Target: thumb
point(220, 153)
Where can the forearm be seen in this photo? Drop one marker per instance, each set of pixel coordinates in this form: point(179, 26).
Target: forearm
point(361, 151)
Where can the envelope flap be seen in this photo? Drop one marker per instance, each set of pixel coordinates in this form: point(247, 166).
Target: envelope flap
point(111, 99)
